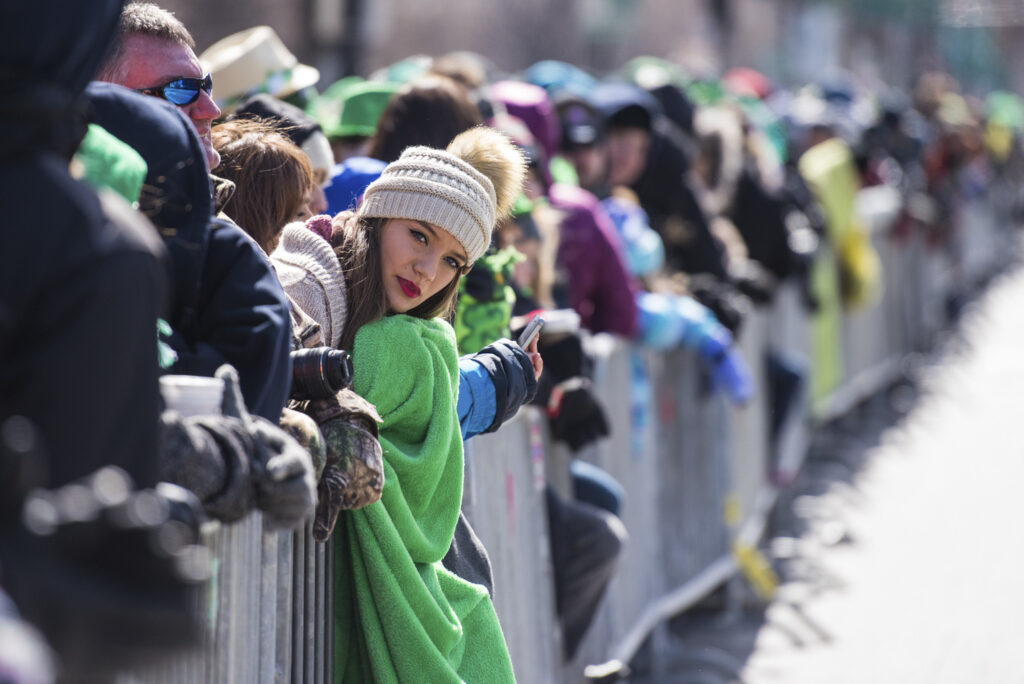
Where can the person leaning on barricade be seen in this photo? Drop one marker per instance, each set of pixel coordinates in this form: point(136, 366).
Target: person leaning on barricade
point(493, 382)
point(228, 306)
point(420, 225)
point(176, 199)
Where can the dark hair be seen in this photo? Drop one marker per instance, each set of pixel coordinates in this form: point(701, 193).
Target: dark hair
point(272, 177)
point(358, 250)
point(145, 19)
point(428, 112)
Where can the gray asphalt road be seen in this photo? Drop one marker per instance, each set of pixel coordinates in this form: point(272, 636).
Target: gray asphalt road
point(903, 555)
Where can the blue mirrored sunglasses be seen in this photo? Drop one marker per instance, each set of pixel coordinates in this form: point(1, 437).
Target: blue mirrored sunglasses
point(181, 91)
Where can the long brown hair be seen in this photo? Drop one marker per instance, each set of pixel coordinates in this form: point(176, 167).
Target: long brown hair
point(272, 177)
point(357, 246)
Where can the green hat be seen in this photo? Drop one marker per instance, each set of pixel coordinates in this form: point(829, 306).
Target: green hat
point(404, 70)
point(651, 72)
point(326, 107)
point(361, 105)
point(706, 92)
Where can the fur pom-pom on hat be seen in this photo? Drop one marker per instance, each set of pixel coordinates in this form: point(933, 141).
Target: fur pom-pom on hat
point(463, 189)
point(494, 155)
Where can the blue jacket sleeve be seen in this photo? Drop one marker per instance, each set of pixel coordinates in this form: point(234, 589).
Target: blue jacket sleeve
point(243, 319)
point(476, 404)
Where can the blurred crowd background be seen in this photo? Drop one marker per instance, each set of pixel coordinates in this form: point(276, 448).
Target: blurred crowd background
point(879, 41)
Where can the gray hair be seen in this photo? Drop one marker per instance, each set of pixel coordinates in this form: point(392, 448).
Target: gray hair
point(144, 18)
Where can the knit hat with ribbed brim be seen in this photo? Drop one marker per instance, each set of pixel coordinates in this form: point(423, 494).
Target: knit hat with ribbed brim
point(437, 187)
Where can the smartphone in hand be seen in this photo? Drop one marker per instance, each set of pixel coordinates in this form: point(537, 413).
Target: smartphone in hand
point(530, 332)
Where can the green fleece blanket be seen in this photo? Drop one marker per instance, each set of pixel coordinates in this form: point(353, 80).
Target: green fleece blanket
point(399, 615)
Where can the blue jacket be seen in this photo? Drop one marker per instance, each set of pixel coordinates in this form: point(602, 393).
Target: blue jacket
point(476, 405)
point(493, 384)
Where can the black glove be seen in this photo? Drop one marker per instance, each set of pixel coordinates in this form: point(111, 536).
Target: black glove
point(210, 456)
point(575, 415)
point(512, 374)
point(564, 358)
point(755, 281)
point(728, 305)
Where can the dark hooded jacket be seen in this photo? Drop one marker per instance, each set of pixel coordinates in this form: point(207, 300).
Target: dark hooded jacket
point(599, 286)
point(228, 305)
point(662, 188)
point(80, 291)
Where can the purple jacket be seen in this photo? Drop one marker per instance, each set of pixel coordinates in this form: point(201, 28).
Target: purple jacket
point(600, 288)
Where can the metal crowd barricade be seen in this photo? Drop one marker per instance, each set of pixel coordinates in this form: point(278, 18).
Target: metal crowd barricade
point(700, 477)
point(504, 500)
point(266, 611)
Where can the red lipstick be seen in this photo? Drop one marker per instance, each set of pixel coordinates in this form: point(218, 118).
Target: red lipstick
point(408, 287)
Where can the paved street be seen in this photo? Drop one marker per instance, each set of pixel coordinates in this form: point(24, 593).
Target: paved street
point(902, 553)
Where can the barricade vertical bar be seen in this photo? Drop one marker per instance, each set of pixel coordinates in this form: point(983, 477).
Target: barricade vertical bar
point(285, 596)
point(748, 432)
point(329, 604)
point(321, 614)
point(297, 617)
point(623, 383)
point(265, 655)
point(307, 574)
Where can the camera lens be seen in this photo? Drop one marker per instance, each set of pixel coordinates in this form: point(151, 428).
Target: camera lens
point(320, 372)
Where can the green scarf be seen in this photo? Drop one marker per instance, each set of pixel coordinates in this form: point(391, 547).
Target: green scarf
point(110, 163)
point(399, 615)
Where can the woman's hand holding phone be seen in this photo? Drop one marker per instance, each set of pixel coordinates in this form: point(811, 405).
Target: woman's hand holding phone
point(528, 341)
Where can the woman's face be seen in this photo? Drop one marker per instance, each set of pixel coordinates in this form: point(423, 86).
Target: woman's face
point(627, 154)
point(418, 260)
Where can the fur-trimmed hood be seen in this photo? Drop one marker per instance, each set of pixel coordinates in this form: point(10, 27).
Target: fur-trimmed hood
point(719, 162)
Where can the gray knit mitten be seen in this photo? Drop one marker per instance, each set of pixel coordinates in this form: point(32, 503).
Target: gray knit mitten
point(282, 471)
point(210, 456)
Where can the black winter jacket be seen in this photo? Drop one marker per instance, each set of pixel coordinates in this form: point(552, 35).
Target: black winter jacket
point(228, 306)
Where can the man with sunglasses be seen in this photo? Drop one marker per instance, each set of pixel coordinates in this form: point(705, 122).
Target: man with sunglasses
point(237, 313)
point(156, 56)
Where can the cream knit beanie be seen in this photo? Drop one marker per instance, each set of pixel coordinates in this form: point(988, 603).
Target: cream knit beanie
point(442, 188)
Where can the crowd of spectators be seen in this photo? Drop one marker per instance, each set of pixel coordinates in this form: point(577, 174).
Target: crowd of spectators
point(352, 262)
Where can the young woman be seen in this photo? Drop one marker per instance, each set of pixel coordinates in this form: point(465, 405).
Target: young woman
point(400, 615)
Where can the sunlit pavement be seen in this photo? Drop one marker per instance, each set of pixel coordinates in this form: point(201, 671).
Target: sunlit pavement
point(903, 555)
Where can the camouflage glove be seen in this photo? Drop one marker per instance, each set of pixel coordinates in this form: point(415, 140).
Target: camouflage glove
point(304, 430)
point(353, 474)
